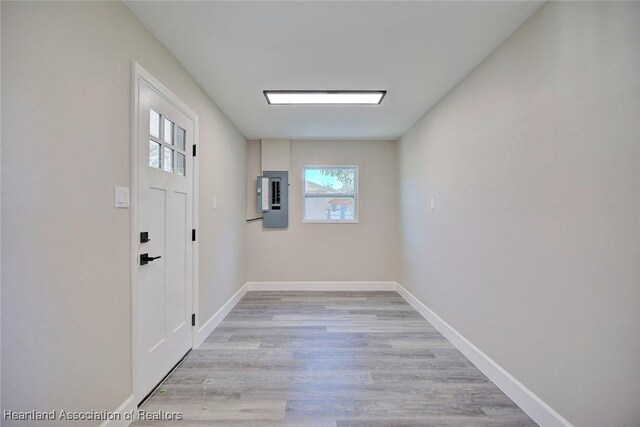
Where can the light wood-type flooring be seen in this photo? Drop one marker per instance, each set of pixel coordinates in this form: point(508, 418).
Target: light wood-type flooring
point(330, 359)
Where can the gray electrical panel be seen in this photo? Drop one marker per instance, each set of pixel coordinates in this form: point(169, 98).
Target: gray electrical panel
point(273, 198)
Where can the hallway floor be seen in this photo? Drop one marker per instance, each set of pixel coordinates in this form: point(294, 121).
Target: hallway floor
point(330, 359)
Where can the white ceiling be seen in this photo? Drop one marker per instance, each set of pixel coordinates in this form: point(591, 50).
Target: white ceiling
point(417, 51)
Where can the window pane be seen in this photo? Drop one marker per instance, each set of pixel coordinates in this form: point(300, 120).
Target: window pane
point(181, 137)
point(154, 154)
point(329, 180)
point(329, 209)
point(154, 124)
point(180, 164)
point(168, 131)
point(168, 160)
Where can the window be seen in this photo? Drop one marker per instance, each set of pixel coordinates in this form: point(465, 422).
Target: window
point(330, 194)
point(167, 145)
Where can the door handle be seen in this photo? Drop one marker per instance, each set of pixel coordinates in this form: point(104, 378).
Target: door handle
point(145, 258)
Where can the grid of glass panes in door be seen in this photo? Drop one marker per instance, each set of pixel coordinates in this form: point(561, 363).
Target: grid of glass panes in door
point(167, 144)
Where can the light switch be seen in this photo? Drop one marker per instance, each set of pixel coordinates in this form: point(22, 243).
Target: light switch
point(433, 203)
point(215, 202)
point(122, 197)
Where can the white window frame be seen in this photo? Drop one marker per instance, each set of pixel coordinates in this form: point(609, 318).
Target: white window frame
point(355, 195)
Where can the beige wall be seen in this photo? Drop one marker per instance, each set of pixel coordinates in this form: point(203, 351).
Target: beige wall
point(66, 101)
point(328, 252)
point(532, 251)
point(0, 215)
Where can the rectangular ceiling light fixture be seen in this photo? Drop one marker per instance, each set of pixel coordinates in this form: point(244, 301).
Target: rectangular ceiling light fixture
point(326, 97)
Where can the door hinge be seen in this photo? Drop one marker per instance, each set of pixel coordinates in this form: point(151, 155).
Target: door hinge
point(193, 235)
point(194, 150)
point(193, 319)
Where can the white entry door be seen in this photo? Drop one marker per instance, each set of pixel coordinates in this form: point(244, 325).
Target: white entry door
point(165, 203)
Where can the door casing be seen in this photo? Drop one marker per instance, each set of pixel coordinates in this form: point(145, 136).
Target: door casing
point(140, 74)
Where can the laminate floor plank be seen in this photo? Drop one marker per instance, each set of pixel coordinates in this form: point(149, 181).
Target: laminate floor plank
point(329, 359)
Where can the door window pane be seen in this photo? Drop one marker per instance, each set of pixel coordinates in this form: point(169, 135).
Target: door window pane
point(180, 164)
point(181, 136)
point(167, 159)
point(154, 154)
point(168, 131)
point(154, 124)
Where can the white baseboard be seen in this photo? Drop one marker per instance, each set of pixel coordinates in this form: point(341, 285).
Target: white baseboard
point(127, 408)
point(205, 330)
point(321, 286)
point(531, 404)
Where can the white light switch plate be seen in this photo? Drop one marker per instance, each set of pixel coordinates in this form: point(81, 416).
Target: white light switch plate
point(122, 197)
point(215, 203)
point(433, 203)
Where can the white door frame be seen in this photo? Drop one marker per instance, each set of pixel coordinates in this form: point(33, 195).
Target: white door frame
point(141, 75)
